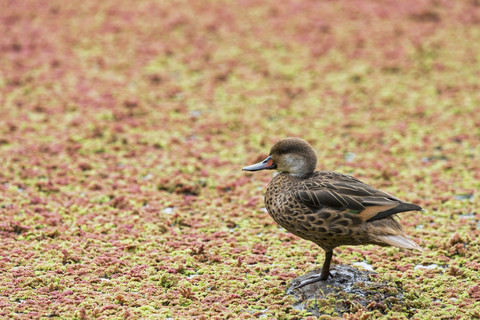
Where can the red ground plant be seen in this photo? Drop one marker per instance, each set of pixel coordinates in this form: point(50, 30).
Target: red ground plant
point(124, 127)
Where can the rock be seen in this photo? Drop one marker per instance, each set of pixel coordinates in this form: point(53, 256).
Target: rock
point(348, 291)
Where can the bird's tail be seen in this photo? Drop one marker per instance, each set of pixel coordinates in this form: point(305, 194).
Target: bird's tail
point(400, 242)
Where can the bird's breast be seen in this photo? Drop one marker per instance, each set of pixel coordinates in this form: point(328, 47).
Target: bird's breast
point(284, 208)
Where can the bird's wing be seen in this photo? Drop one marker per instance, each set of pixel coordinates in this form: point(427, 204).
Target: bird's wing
point(350, 195)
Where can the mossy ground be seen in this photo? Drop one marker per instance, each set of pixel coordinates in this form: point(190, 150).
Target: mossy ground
point(124, 127)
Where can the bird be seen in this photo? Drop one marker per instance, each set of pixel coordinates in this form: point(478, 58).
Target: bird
point(329, 208)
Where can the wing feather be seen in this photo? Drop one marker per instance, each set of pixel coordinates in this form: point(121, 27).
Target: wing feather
point(345, 193)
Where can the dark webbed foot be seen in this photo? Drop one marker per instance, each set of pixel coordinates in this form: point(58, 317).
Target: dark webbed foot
point(313, 279)
point(324, 277)
point(321, 277)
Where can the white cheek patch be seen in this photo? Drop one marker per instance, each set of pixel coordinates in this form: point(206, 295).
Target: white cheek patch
point(293, 165)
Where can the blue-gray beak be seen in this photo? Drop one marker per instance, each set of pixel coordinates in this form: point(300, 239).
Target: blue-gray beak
point(266, 164)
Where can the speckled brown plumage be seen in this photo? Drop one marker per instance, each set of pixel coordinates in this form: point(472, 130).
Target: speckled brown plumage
point(329, 208)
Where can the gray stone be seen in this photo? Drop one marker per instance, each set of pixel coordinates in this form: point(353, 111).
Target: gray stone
point(348, 291)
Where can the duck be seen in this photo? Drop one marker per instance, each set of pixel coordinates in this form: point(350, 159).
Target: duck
point(330, 209)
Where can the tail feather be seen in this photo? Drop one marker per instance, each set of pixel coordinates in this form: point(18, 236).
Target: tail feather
point(402, 207)
point(400, 242)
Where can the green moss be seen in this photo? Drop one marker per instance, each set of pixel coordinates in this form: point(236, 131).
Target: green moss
point(101, 132)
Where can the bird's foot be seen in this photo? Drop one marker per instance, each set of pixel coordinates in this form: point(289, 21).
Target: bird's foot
point(312, 279)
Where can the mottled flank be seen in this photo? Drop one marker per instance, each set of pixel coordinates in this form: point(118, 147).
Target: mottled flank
point(329, 208)
point(123, 125)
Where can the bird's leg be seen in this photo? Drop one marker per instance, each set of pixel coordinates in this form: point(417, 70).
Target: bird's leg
point(323, 276)
point(326, 265)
